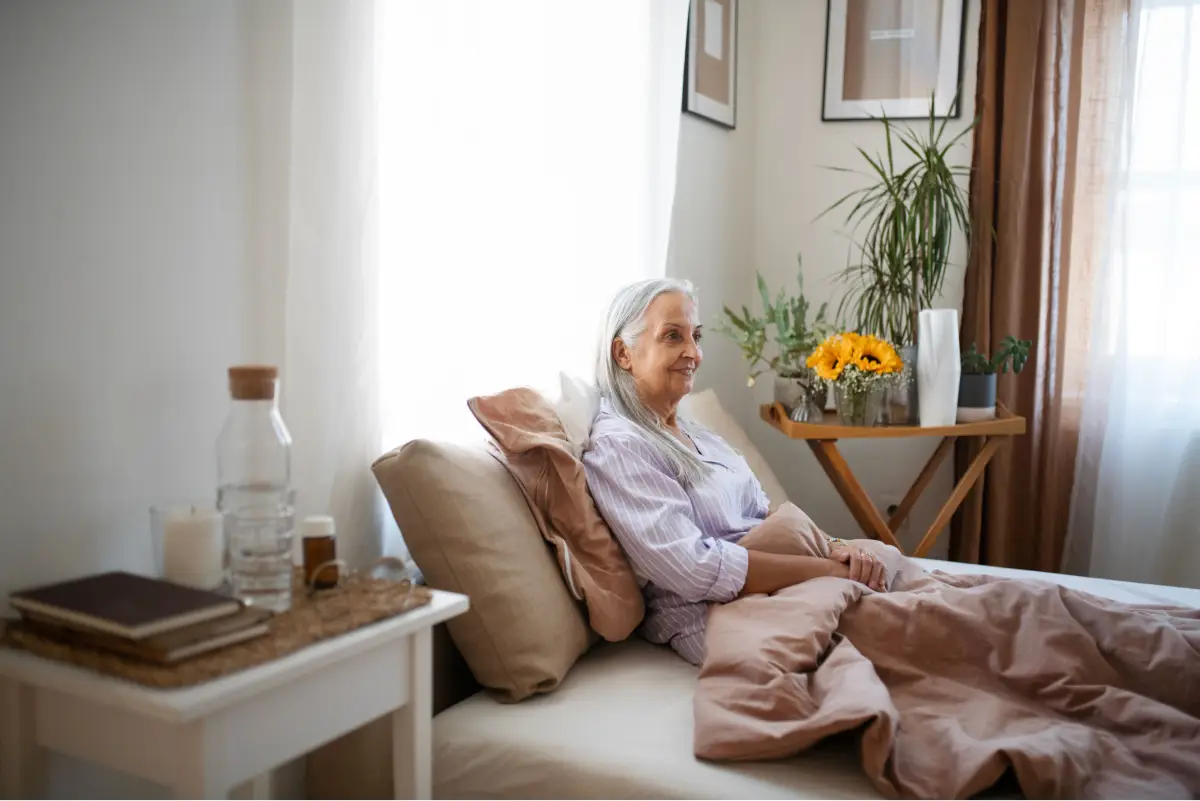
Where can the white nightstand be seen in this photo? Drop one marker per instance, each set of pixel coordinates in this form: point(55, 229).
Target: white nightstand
point(203, 741)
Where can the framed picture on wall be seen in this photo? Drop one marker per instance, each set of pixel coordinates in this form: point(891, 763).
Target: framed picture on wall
point(890, 57)
point(710, 90)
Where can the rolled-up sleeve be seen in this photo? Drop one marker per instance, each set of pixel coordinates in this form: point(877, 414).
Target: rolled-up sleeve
point(651, 516)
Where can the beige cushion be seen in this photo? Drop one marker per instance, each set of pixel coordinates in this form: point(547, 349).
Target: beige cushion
point(705, 409)
point(469, 529)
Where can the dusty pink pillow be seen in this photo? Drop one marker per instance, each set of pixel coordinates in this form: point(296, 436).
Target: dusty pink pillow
point(536, 450)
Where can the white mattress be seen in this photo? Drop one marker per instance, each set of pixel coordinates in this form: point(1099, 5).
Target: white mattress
point(620, 726)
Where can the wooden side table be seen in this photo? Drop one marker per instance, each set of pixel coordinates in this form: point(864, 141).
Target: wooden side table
point(822, 438)
point(202, 741)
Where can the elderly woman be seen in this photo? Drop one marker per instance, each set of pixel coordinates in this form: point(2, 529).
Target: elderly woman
point(676, 496)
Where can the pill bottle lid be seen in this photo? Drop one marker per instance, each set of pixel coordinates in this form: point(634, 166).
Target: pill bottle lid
point(317, 526)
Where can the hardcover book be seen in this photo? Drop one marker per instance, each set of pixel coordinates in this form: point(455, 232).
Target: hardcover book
point(123, 604)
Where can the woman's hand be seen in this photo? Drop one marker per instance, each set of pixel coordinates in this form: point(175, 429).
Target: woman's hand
point(862, 566)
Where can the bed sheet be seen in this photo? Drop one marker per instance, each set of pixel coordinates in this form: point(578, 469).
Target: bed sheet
point(620, 726)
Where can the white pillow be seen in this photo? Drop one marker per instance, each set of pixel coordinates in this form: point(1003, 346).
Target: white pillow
point(577, 407)
point(705, 409)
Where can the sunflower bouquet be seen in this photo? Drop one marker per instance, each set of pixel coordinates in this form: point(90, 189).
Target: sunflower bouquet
point(859, 367)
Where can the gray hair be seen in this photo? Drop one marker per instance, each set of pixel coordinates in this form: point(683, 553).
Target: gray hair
point(627, 320)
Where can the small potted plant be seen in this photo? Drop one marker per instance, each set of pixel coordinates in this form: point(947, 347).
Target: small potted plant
point(977, 386)
point(785, 319)
point(860, 369)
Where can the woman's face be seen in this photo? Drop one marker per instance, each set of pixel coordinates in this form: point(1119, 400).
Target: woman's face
point(665, 358)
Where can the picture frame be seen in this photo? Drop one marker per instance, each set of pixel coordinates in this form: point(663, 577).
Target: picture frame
point(889, 57)
point(710, 74)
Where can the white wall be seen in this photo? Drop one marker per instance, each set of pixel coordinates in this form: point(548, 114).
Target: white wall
point(712, 226)
point(122, 241)
point(747, 200)
point(126, 197)
point(792, 188)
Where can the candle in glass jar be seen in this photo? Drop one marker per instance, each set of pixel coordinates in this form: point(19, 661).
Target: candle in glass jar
point(193, 548)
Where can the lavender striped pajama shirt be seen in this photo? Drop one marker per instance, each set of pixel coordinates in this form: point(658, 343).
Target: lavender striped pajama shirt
point(682, 543)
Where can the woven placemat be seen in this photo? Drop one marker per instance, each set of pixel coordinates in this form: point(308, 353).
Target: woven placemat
point(358, 601)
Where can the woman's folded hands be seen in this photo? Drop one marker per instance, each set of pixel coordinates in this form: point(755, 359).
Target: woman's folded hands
point(860, 565)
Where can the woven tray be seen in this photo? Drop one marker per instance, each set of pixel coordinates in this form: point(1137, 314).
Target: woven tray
point(358, 601)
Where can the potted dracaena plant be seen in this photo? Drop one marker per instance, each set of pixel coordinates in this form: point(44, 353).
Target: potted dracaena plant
point(905, 217)
point(785, 320)
point(977, 385)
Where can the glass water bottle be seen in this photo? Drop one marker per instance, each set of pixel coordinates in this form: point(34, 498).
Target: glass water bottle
point(254, 491)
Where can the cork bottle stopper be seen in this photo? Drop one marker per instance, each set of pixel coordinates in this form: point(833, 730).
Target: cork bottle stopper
point(252, 382)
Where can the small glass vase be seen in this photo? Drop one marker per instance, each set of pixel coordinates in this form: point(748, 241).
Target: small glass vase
point(859, 408)
point(802, 396)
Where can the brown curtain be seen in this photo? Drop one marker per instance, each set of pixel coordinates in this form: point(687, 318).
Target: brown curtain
point(1029, 174)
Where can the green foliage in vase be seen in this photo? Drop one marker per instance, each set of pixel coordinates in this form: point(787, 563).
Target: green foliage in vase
point(1012, 351)
point(907, 216)
point(785, 322)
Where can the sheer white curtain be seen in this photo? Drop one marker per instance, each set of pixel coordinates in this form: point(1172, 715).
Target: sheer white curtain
point(330, 277)
point(468, 181)
point(527, 163)
point(1136, 508)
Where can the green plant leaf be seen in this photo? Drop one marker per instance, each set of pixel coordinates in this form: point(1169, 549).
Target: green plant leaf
point(765, 295)
point(903, 220)
point(946, 119)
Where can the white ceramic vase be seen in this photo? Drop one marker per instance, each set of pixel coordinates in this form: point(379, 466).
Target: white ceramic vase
point(938, 366)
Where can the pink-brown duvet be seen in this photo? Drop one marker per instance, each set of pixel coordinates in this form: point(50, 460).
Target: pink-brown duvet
point(954, 679)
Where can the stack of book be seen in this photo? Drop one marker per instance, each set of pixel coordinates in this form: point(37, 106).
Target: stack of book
point(136, 616)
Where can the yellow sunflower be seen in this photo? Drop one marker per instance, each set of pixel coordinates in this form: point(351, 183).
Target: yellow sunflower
point(878, 356)
point(854, 338)
point(824, 361)
point(834, 355)
point(849, 348)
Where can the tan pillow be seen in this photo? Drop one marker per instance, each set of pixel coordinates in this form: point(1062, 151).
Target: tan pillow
point(537, 451)
point(470, 530)
point(705, 409)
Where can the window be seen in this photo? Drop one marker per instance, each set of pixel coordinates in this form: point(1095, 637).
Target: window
point(1157, 232)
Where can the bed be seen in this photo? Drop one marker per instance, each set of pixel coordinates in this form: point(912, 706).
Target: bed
point(620, 726)
point(613, 719)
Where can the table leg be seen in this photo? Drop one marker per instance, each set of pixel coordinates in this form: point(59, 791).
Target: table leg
point(261, 786)
point(22, 760)
point(965, 541)
point(865, 513)
point(960, 492)
point(194, 777)
point(412, 725)
point(926, 475)
point(195, 786)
